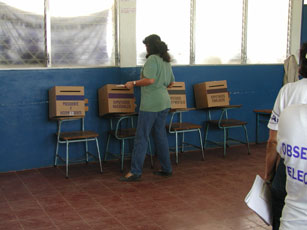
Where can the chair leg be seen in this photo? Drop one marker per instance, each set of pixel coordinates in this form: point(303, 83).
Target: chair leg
point(56, 154)
point(206, 135)
point(257, 127)
point(98, 153)
point(86, 152)
point(227, 138)
point(107, 148)
point(122, 152)
point(67, 158)
point(225, 141)
point(246, 136)
point(176, 148)
point(182, 143)
point(201, 144)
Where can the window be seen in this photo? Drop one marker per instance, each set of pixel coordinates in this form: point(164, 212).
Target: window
point(73, 33)
point(82, 33)
point(267, 31)
point(170, 19)
point(218, 31)
point(22, 33)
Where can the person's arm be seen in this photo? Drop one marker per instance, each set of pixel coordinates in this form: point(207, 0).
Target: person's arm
point(271, 155)
point(142, 82)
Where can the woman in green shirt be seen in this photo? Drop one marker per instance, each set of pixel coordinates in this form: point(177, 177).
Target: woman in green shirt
point(156, 77)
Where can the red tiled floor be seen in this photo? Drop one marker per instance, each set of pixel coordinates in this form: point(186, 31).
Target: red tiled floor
point(200, 195)
point(10, 224)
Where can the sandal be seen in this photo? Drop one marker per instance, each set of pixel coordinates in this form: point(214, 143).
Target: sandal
point(130, 178)
point(162, 173)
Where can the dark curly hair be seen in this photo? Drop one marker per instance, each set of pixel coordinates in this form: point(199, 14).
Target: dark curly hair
point(156, 46)
point(303, 60)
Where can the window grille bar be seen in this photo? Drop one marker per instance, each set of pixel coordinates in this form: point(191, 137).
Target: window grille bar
point(47, 31)
point(192, 31)
point(244, 32)
point(116, 31)
point(289, 29)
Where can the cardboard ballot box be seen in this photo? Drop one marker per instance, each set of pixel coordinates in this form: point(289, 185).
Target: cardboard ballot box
point(115, 99)
point(66, 101)
point(211, 93)
point(178, 95)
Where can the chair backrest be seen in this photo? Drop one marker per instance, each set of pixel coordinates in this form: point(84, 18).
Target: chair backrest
point(122, 125)
point(177, 117)
point(220, 114)
point(121, 120)
point(222, 111)
point(126, 122)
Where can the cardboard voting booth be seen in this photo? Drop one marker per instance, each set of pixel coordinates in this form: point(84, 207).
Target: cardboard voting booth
point(66, 101)
point(211, 94)
point(116, 99)
point(178, 95)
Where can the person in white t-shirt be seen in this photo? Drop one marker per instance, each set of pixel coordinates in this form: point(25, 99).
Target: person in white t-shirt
point(292, 147)
point(291, 93)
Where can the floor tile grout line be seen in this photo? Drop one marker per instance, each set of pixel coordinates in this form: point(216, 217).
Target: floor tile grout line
point(41, 207)
point(8, 203)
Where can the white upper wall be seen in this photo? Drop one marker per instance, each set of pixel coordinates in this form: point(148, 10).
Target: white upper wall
point(296, 25)
point(127, 33)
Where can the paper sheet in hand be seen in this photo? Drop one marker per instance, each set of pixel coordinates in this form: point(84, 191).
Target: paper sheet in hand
point(259, 200)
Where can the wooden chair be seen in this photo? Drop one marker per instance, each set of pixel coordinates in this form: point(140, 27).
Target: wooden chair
point(80, 135)
point(181, 127)
point(224, 123)
point(123, 129)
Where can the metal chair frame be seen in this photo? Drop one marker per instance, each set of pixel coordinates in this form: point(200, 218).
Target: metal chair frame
point(262, 116)
point(74, 137)
point(123, 134)
point(225, 124)
point(180, 127)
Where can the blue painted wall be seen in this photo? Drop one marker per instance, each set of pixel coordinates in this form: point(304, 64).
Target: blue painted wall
point(28, 137)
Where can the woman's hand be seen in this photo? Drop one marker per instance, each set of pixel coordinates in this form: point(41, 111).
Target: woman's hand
point(129, 84)
point(142, 82)
point(170, 85)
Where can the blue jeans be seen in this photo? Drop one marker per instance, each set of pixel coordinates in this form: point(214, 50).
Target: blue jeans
point(151, 122)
